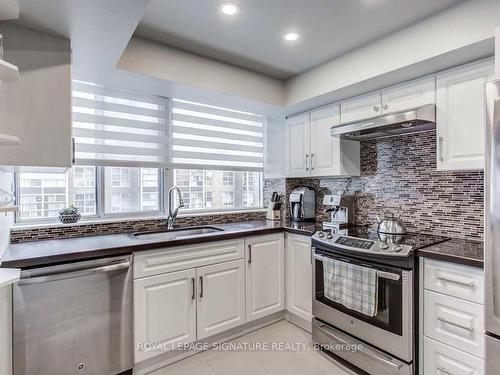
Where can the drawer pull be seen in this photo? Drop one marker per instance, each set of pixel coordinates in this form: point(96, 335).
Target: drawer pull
point(469, 283)
point(470, 328)
point(443, 370)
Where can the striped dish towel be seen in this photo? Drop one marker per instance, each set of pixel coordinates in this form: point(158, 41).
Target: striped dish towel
point(350, 285)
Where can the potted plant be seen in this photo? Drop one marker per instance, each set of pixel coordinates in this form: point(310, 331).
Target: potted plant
point(69, 215)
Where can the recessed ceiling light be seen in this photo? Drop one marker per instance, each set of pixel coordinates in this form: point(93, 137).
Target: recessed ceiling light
point(291, 37)
point(229, 9)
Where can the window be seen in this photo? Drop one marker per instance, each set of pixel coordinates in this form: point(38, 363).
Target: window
point(131, 190)
point(42, 195)
point(124, 141)
point(224, 190)
point(126, 191)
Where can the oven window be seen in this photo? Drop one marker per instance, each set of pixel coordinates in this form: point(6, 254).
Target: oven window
point(389, 299)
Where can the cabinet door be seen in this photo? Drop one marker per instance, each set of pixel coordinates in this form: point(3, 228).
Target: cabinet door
point(440, 359)
point(164, 311)
point(360, 108)
point(325, 149)
point(298, 276)
point(265, 289)
point(221, 297)
point(410, 95)
point(298, 129)
point(461, 117)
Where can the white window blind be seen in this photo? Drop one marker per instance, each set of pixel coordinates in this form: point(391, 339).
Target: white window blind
point(207, 137)
point(114, 127)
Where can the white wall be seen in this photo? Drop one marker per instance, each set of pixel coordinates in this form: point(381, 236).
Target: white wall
point(275, 147)
point(409, 53)
point(167, 63)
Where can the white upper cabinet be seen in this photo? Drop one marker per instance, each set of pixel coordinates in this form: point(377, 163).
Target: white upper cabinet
point(312, 151)
point(298, 129)
point(221, 297)
point(409, 95)
point(361, 107)
point(265, 275)
point(461, 116)
point(37, 108)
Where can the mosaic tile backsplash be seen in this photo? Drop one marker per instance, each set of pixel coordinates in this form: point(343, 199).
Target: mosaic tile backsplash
point(399, 175)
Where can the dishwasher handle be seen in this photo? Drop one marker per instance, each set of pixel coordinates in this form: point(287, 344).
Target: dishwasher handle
point(27, 280)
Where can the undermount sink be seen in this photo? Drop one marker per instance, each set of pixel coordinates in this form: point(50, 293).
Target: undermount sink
point(177, 233)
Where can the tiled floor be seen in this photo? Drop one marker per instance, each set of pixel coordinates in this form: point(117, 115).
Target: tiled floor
point(259, 362)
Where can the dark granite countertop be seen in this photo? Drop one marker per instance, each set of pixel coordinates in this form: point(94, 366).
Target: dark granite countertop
point(466, 252)
point(47, 252)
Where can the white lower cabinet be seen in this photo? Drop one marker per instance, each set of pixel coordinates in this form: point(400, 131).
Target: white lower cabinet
point(265, 275)
point(188, 293)
point(441, 359)
point(298, 275)
point(164, 311)
point(452, 319)
point(221, 297)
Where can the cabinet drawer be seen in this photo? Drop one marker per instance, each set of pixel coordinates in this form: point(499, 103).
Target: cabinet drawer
point(455, 322)
point(440, 359)
point(454, 280)
point(183, 257)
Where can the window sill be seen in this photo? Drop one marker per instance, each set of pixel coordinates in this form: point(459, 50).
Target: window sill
point(24, 226)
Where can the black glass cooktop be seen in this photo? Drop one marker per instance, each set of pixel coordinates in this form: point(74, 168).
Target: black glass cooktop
point(415, 240)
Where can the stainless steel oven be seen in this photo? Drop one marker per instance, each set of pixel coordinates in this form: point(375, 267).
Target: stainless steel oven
point(390, 330)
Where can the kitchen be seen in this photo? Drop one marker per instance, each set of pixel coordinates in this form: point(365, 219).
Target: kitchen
point(249, 187)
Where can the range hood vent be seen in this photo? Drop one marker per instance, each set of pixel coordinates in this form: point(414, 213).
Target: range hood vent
point(389, 125)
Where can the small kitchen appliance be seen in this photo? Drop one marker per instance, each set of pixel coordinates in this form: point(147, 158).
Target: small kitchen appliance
point(375, 311)
point(303, 204)
point(341, 210)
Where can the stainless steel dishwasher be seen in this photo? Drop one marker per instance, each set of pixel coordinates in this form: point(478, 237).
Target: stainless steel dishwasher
point(74, 318)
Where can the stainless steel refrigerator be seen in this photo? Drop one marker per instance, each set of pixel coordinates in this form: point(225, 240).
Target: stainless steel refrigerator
point(492, 229)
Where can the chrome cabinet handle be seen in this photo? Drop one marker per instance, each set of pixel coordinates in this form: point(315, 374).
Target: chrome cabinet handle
point(444, 370)
point(311, 162)
point(249, 253)
point(441, 152)
point(385, 107)
point(388, 275)
point(444, 320)
point(376, 108)
point(201, 286)
point(193, 281)
point(307, 159)
point(455, 281)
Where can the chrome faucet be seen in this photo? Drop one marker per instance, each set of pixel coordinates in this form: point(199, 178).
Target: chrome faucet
point(173, 215)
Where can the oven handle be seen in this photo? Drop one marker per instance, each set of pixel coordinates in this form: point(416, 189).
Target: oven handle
point(370, 355)
point(380, 274)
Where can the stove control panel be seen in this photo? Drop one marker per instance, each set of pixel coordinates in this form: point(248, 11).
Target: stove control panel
point(354, 242)
point(342, 241)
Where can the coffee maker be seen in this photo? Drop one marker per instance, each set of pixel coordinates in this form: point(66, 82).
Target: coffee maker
point(303, 204)
point(341, 210)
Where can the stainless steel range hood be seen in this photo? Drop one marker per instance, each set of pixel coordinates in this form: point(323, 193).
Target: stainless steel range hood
point(410, 121)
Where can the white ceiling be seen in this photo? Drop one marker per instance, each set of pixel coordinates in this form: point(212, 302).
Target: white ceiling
point(252, 39)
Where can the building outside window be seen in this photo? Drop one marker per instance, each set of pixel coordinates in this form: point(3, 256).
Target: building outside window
point(228, 178)
point(227, 198)
point(120, 177)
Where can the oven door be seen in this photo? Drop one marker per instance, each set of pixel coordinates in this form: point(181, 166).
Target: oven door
point(391, 329)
